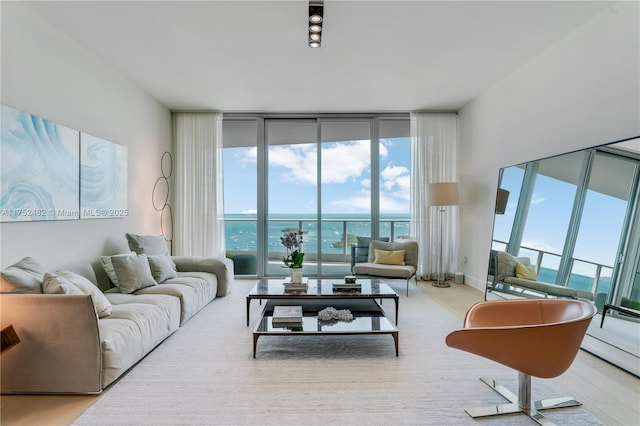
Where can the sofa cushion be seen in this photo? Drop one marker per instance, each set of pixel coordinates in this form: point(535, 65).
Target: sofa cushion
point(546, 288)
point(24, 276)
point(133, 272)
point(194, 289)
point(380, 270)
point(153, 245)
point(56, 284)
point(100, 302)
point(162, 268)
point(389, 257)
point(136, 325)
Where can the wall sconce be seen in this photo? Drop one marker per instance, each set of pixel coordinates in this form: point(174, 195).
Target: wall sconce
point(316, 17)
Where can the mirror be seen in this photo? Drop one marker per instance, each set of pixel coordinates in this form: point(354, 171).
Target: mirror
point(569, 226)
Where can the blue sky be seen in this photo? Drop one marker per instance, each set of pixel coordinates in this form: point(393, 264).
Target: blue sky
point(346, 178)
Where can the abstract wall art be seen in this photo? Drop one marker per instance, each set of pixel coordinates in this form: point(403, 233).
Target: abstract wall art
point(39, 160)
point(103, 179)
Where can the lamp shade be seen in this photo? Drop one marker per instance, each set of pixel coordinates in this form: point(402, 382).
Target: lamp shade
point(501, 200)
point(442, 194)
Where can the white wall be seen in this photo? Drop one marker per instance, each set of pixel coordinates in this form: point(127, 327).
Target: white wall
point(582, 92)
point(46, 74)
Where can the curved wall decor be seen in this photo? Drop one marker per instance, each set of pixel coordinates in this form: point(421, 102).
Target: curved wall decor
point(160, 198)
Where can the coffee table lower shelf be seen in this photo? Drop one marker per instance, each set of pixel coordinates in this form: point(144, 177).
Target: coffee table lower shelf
point(370, 321)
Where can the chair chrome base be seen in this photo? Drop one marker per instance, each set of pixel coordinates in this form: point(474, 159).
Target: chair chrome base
point(441, 283)
point(521, 403)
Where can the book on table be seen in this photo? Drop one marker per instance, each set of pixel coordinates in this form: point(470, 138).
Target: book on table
point(287, 314)
point(342, 286)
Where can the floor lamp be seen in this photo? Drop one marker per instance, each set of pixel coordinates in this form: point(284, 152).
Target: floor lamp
point(440, 195)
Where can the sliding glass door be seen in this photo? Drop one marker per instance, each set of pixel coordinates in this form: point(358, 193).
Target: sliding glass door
point(335, 178)
point(292, 186)
point(345, 190)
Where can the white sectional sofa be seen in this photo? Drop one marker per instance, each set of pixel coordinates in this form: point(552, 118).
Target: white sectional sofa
point(77, 343)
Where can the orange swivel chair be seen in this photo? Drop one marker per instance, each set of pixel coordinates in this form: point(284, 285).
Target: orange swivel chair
point(536, 337)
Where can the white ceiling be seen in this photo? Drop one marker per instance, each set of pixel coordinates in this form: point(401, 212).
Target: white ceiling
point(376, 55)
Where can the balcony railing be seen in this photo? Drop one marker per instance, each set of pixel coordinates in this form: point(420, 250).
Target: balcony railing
point(338, 234)
point(598, 284)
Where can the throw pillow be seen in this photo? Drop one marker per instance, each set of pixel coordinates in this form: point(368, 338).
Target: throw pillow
point(107, 265)
point(526, 272)
point(154, 245)
point(100, 301)
point(389, 257)
point(133, 272)
point(25, 276)
point(55, 284)
point(162, 268)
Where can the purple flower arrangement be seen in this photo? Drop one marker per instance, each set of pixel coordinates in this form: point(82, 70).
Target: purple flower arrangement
point(293, 242)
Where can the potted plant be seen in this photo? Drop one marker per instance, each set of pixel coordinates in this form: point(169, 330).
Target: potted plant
point(295, 256)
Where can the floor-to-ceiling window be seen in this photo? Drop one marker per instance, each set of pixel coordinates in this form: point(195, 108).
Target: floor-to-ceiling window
point(333, 177)
point(240, 173)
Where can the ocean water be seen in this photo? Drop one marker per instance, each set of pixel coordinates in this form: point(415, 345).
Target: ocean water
point(241, 231)
point(577, 281)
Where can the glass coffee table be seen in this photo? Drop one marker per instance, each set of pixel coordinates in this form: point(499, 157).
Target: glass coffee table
point(371, 289)
point(368, 315)
point(368, 318)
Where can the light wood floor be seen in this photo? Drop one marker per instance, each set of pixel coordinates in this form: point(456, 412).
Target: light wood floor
point(609, 393)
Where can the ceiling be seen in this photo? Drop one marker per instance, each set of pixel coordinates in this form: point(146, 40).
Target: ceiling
point(381, 56)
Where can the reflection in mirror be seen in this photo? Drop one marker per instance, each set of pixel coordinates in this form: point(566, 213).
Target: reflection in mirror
point(569, 226)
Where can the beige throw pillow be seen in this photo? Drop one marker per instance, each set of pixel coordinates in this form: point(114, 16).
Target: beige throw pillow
point(55, 284)
point(389, 257)
point(132, 272)
point(525, 272)
point(100, 301)
point(162, 268)
point(25, 276)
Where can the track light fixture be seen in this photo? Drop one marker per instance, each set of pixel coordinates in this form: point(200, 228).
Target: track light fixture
point(316, 17)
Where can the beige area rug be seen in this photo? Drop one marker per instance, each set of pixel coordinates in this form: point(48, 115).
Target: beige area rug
point(204, 374)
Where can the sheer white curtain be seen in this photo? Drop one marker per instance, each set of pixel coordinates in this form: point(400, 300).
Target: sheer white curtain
point(434, 157)
point(199, 209)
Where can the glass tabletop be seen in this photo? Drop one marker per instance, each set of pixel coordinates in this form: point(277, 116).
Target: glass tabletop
point(363, 322)
point(321, 288)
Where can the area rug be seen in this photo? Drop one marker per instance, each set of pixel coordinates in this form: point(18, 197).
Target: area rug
point(205, 374)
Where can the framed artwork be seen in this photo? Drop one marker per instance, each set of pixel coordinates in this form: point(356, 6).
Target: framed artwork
point(103, 178)
point(40, 169)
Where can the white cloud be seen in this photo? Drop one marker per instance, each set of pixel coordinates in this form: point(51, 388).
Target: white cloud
point(345, 161)
point(396, 180)
point(247, 155)
point(538, 245)
point(392, 204)
point(360, 203)
point(537, 200)
point(250, 211)
point(340, 162)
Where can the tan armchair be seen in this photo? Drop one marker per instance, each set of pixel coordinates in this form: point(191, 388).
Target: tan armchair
point(536, 337)
point(375, 267)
